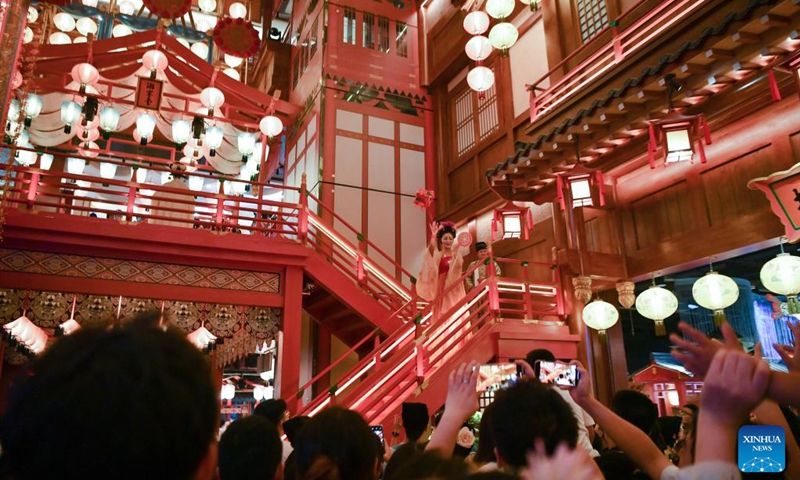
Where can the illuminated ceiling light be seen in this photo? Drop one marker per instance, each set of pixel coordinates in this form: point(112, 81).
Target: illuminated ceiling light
point(476, 22)
point(121, 31)
point(86, 26)
point(27, 37)
point(59, 38)
point(600, 316)
point(75, 166)
point(90, 3)
point(196, 183)
point(89, 149)
point(214, 136)
point(26, 158)
point(533, 4)
point(86, 75)
point(500, 9)
point(480, 79)
point(207, 6)
point(140, 174)
point(582, 186)
point(108, 170)
point(478, 48)
point(228, 392)
point(33, 14)
point(126, 7)
point(181, 130)
point(233, 74)
point(657, 304)
point(212, 98)
point(33, 107)
point(715, 292)
point(503, 36)
point(64, 22)
point(232, 61)
point(245, 142)
point(80, 40)
point(271, 126)
point(200, 49)
point(237, 10)
point(109, 121)
point(67, 328)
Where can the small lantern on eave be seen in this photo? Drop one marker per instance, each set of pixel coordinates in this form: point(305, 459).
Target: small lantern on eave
point(677, 133)
point(582, 186)
point(515, 221)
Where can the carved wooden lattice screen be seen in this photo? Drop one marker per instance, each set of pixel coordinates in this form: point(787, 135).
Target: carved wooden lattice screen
point(593, 17)
point(472, 128)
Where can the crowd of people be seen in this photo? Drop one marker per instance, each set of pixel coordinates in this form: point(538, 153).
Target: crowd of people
point(138, 401)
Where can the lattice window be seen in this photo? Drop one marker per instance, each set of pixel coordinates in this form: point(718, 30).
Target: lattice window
point(475, 118)
point(402, 39)
point(694, 388)
point(383, 34)
point(349, 26)
point(465, 121)
point(368, 33)
point(593, 17)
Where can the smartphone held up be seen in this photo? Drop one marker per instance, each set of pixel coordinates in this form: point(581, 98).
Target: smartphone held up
point(560, 374)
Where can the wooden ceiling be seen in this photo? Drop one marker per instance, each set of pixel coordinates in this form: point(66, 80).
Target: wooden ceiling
point(714, 57)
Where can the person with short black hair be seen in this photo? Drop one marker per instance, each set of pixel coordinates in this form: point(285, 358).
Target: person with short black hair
point(481, 272)
point(250, 449)
point(127, 402)
point(274, 410)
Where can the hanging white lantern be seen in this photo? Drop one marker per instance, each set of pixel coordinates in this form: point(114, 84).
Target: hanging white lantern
point(45, 161)
point(70, 113)
point(715, 292)
point(212, 98)
point(80, 40)
point(600, 316)
point(108, 170)
point(59, 38)
point(145, 124)
point(228, 391)
point(86, 26)
point(90, 3)
point(657, 304)
point(258, 393)
point(245, 142)
point(500, 9)
point(69, 327)
point(26, 158)
point(13, 110)
point(478, 48)
point(207, 6)
point(480, 79)
point(232, 73)
point(232, 61)
point(184, 42)
point(89, 149)
point(89, 133)
point(86, 75)
point(126, 7)
point(503, 36)
point(200, 49)
point(237, 10)
point(64, 22)
point(214, 136)
point(141, 174)
point(781, 276)
point(33, 14)
point(75, 166)
point(476, 22)
point(166, 177)
point(155, 61)
point(271, 126)
point(121, 31)
point(181, 129)
point(33, 106)
point(109, 119)
point(196, 183)
point(201, 338)
point(27, 36)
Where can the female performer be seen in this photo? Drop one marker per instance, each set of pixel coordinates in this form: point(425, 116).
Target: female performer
point(441, 268)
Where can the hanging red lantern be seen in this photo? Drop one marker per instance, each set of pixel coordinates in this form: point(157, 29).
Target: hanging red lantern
point(515, 221)
point(585, 186)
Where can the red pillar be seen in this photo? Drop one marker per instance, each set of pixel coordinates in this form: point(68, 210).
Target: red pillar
point(288, 380)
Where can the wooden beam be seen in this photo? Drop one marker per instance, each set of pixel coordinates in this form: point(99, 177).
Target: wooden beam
point(717, 53)
point(772, 20)
point(744, 37)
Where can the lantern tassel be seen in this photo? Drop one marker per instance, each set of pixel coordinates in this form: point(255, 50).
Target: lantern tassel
point(661, 330)
point(773, 87)
point(719, 317)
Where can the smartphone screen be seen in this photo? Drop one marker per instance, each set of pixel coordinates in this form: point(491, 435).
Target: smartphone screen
point(498, 375)
point(557, 373)
point(378, 430)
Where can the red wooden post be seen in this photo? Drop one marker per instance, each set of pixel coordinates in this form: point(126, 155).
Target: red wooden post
point(220, 208)
point(131, 202)
point(617, 43)
point(289, 366)
point(33, 186)
point(302, 214)
point(376, 343)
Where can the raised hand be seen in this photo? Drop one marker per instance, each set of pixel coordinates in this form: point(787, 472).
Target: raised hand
point(696, 356)
point(527, 369)
point(583, 391)
point(791, 355)
point(462, 396)
point(735, 384)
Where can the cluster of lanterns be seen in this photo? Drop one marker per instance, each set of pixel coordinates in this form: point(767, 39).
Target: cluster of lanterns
point(713, 291)
point(25, 336)
point(260, 392)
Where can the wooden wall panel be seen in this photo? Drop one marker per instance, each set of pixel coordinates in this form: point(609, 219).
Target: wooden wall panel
point(494, 154)
point(462, 183)
point(600, 235)
point(725, 186)
point(662, 215)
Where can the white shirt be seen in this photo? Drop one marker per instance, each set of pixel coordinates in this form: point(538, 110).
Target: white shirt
point(584, 420)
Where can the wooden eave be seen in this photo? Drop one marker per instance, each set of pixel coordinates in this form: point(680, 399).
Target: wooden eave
point(729, 47)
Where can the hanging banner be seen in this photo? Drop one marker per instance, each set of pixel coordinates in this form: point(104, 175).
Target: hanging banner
point(783, 192)
point(148, 93)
